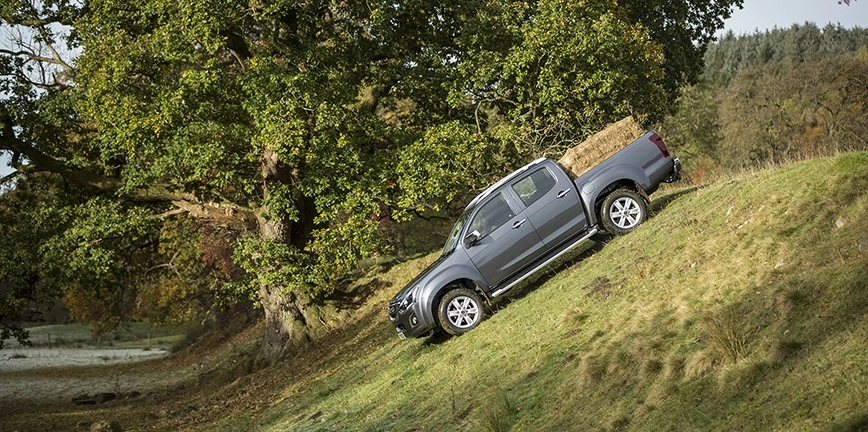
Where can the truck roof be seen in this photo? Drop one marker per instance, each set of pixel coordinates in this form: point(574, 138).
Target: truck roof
point(501, 182)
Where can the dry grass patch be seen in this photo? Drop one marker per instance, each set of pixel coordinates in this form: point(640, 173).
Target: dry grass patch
point(700, 364)
point(725, 336)
point(496, 412)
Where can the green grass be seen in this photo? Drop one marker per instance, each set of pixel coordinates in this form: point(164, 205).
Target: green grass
point(135, 335)
point(740, 305)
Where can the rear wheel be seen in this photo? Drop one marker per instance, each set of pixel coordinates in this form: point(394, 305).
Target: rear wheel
point(623, 210)
point(460, 311)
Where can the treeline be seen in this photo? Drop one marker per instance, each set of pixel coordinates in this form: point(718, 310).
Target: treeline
point(799, 43)
point(774, 96)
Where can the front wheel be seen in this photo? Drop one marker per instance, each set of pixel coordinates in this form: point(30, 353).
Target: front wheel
point(460, 311)
point(623, 210)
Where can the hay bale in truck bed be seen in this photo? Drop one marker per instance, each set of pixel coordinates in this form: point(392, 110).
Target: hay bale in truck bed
point(598, 147)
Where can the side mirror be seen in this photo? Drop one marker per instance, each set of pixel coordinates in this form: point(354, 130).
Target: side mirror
point(472, 238)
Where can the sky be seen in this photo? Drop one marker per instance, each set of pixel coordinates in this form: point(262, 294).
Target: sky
point(758, 15)
point(767, 14)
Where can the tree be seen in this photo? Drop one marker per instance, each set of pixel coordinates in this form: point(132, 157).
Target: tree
point(693, 131)
point(806, 42)
point(21, 287)
point(563, 75)
point(297, 125)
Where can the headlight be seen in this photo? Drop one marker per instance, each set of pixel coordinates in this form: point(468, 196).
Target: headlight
point(409, 300)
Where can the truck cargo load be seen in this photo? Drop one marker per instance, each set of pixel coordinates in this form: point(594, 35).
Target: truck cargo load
point(600, 146)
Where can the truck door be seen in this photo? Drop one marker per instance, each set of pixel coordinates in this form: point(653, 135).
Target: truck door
point(506, 240)
point(551, 204)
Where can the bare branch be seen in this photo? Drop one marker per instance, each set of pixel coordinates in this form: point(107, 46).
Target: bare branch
point(170, 213)
point(170, 265)
point(33, 42)
point(217, 214)
point(56, 60)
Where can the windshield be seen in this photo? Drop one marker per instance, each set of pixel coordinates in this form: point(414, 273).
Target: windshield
point(452, 239)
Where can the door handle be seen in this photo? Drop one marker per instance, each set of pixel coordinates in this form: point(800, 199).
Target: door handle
point(563, 193)
point(518, 224)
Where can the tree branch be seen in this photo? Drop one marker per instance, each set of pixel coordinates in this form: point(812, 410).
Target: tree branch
point(8, 177)
point(84, 179)
point(35, 57)
point(222, 214)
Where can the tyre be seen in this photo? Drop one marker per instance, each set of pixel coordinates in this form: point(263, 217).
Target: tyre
point(459, 311)
point(623, 210)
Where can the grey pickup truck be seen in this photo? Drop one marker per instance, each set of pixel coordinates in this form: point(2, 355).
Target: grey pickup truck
point(523, 222)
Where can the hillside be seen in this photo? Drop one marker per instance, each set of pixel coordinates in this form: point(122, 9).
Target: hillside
point(740, 305)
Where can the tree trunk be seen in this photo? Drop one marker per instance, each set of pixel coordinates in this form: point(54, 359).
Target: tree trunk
point(292, 321)
point(292, 318)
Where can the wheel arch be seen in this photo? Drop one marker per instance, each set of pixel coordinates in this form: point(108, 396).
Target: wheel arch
point(457, 283)
point(615, 185)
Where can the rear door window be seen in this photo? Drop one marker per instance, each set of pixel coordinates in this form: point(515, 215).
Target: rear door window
point(534, 186)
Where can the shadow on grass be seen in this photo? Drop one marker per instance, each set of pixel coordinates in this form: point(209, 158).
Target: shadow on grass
point(437, 338)
point(349, 297)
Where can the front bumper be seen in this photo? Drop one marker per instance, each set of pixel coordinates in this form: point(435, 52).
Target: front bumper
point(408, 321)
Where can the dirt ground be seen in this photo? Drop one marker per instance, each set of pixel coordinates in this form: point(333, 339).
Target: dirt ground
point(64, 389)
point(41, 373)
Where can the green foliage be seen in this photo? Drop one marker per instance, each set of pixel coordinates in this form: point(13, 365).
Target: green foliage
point(96, 258)
point(683, 28)
point(177, 287)
point(24, 285)
point(163, 107)
point(448, 160)
point(810, 108)
point(267, 263)
point(694, 130)
point(11, 304)
point(582, 60)
point(561, 70)
point(95, 231)
point(108, 262)
point(781, 47)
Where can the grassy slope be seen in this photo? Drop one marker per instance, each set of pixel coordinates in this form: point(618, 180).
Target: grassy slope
point(739, 306)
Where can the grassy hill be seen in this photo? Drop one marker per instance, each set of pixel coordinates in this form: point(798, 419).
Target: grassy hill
point(741, 305)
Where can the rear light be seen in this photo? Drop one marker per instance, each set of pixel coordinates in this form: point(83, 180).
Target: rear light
point(657, 139)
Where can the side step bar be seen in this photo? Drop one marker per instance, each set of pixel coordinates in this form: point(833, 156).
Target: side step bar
point(500, 291)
